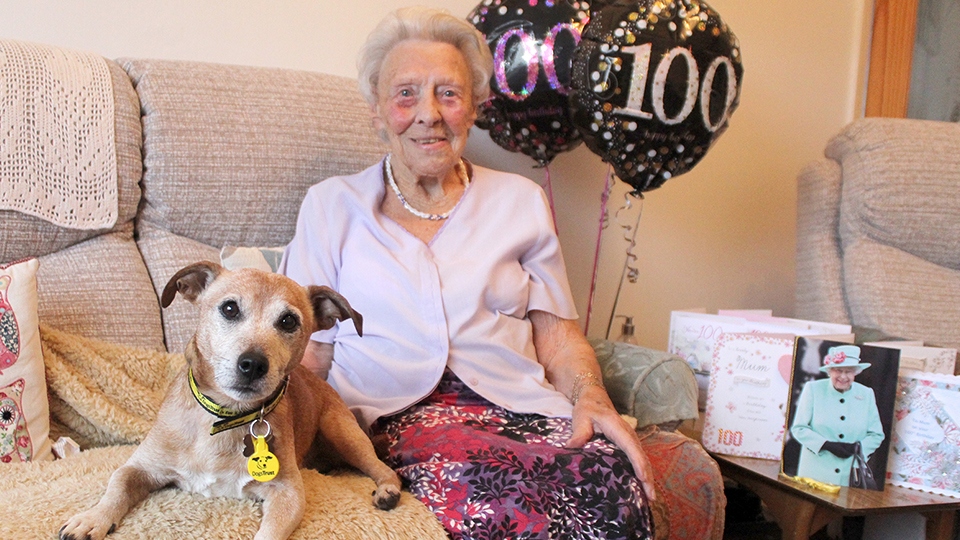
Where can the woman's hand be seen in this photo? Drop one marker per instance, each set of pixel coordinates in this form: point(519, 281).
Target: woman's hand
point(565, 354)
point(842, 450)
point(594, 413)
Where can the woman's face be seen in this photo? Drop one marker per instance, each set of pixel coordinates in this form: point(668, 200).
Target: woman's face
point(842, 377)
point(425, 105)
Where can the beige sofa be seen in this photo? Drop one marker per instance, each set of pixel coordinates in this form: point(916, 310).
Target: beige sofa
point(210, 156)
point(878, 231)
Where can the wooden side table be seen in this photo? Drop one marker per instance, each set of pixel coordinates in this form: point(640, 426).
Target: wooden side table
point(801, 511)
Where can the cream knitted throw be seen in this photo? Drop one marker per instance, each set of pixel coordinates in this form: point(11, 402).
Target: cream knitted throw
point(57, 149)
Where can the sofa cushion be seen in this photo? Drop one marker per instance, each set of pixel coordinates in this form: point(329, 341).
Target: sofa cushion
point(24, 414)
point(262, 258)
point(901, 294)
point(165, 253)
point(24, 236)
point(900, 181)
point(100, 288)
point(229, 151)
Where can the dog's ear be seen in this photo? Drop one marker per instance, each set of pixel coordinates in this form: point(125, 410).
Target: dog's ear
point(329, 307)
point(190, 281)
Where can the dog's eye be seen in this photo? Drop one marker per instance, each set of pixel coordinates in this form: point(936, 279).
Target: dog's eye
point(288, 322)
point(230, 310)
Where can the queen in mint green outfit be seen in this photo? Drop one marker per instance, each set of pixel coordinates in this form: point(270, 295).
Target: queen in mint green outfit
point(832, 415)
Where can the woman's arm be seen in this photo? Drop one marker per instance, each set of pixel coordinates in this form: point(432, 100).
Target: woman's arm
point(571, 366)
point(874, 437)
point(318, 357)
point(803, 430)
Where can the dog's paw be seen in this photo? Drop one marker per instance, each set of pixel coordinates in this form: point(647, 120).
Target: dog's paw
point(85, 527)
point(386, 497)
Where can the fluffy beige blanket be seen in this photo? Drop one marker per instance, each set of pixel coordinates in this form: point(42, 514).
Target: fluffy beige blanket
point(119, 387)
point(40, 496)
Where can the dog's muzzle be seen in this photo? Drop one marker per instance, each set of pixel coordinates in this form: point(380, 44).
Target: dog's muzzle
point(252, 366)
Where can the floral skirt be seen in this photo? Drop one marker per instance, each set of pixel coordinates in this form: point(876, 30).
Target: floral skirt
point(488, 473)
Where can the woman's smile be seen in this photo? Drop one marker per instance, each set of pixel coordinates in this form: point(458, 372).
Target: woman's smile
point(842, 378)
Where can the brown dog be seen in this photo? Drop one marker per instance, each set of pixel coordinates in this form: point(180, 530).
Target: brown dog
point(243, 379)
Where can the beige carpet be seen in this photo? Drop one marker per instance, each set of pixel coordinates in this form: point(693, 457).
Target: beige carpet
point(39, 497)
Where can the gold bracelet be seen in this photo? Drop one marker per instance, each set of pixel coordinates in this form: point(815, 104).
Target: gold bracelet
point(583, 380)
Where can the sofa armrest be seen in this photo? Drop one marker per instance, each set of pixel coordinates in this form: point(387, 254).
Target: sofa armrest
point(652, 386)
point(819, 293)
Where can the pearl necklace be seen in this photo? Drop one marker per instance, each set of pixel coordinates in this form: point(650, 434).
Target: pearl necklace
point(432, 217)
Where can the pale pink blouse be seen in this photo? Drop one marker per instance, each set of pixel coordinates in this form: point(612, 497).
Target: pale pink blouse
point(460, 301)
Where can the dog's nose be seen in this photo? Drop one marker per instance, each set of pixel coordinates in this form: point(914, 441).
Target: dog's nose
point(252, 365)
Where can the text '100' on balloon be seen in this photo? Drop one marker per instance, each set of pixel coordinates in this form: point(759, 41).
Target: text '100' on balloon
point(654, 84)
point(532, 43)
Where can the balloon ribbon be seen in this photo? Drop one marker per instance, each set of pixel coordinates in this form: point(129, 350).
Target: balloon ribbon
point(601, 225)
point(630, 235)
point(553, 207)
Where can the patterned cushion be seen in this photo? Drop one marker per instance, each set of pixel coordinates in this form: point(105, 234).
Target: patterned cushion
point(24, 415)
point(691, 502)
point(659, 388)
point(652, 386)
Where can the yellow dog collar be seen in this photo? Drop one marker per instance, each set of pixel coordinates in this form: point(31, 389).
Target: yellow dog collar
point(231, 418)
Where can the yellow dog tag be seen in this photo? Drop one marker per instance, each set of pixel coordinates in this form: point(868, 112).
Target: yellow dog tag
point(263, 466)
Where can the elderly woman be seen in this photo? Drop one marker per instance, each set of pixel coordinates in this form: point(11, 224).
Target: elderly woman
point(833, 415)
point(471, 364)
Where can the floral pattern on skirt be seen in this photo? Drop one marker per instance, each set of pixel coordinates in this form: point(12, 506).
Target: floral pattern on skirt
point(488, 473)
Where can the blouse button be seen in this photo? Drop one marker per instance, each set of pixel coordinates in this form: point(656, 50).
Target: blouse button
point(474, 381)
point(841, 435)
point(843, 417)
point(842, 400)
point(836, 470)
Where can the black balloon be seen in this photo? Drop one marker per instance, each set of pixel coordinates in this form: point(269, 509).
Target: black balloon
point(533, 43)
point(654, 84)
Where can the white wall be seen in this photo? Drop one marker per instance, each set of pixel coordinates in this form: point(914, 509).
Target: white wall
point(721, 236)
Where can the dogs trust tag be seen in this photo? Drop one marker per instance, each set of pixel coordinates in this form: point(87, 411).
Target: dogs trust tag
point(263, 466)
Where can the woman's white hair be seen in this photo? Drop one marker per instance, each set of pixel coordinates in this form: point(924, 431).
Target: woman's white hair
point(429, 25)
